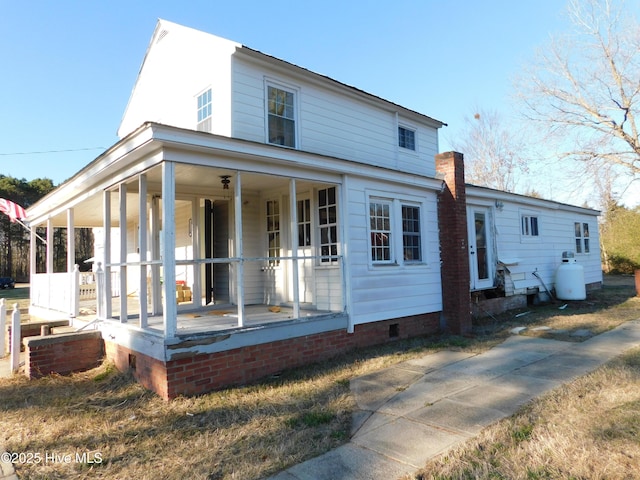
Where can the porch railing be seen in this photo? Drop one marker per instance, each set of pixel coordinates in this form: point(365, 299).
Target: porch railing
point(61, 293)
point(303, 282)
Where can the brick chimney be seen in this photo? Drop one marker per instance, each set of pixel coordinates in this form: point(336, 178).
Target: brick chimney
point(454, 245)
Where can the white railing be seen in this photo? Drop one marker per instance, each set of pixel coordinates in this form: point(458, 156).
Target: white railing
point(56, 292)
point(14, 347)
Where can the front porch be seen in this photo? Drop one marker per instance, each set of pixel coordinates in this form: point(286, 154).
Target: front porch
point(199, 249)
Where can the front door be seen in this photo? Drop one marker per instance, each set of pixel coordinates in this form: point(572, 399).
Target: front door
point(480, 248)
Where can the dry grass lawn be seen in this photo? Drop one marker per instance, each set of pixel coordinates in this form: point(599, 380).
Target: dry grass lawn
point(258, 430)
point(588, 429)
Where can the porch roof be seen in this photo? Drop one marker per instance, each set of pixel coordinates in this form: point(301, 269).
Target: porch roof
point(153, 143)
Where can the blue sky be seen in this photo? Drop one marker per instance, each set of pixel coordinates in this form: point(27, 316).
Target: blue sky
point(67, 67)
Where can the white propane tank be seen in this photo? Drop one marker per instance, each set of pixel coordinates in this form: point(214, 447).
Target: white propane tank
point(570, 279)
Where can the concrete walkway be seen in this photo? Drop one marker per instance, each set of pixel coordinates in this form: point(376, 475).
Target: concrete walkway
point(414, 411)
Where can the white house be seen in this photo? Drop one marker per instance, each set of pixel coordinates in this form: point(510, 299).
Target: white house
point(256, 215)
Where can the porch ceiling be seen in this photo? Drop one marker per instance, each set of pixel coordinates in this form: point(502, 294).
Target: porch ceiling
point(191, 181)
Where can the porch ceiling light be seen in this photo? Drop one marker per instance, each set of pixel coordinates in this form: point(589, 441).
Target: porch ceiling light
point(224, 179)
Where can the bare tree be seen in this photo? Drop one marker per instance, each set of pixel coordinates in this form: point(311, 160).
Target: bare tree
point(493, 153)
point(584, 89)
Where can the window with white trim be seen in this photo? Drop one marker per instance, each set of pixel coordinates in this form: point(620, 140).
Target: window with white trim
point(582, 237)
point(204, 111)
point(304, 222)
point(411, 234)
point(273, 232)
point(529, 226)
point(328, 225)
point(406, 138)
point(380, 231)
point(395, 231)
point(281, 121)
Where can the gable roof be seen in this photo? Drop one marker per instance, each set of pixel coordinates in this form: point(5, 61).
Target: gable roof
point(165, 27)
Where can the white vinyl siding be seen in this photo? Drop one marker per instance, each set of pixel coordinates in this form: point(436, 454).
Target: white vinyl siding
point(541, 254)
point(380, 291)
point(195, 59)
point(330, 123)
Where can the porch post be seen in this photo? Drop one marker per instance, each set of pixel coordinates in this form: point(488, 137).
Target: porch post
point(293, 208)
point(123, 251)
point(33, 248)
point(237, 197)
point(71, 264)
point(168, 250)
point(71, 241)
point(50, 246)
point(343, 195)
point(142, 244)
point(106, 217)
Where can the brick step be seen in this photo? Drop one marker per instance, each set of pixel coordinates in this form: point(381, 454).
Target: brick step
point(63, 329)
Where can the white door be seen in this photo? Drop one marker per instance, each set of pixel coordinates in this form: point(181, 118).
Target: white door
point(481, 263)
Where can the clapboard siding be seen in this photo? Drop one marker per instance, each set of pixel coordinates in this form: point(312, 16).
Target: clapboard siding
point(252, 242)
point(390, 291)
point(330, 123)
point(175, 70)
point(541, 254)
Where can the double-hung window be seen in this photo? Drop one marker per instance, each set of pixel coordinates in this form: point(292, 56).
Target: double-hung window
point(529, 226)
point(395, 232)
point(328, 225)
point(204, 111)
point(582, 237)
point(380, 226)
point(406, 138)
point(281, 116)
point(411, 234)
point(273, 232)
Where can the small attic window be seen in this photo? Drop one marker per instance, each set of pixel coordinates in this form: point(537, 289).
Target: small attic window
point(406, 138)
point(163, 34)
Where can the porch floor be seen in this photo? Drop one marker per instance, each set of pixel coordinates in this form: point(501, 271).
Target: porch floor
point(207, 319)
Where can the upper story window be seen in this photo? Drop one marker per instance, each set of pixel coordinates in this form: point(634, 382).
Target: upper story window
point(582, 237)
point(281, 116)
point(406, 138)
point(204, 111)
point(529, 226)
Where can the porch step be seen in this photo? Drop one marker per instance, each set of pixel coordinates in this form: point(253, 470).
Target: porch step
point(63, 329)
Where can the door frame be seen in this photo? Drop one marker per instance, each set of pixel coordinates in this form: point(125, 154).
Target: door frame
point(475, 282)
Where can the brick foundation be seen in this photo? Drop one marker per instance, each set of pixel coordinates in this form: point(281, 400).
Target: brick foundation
point(454, 244)
point(30, 329)
point(62, 354)
point(199, 373)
